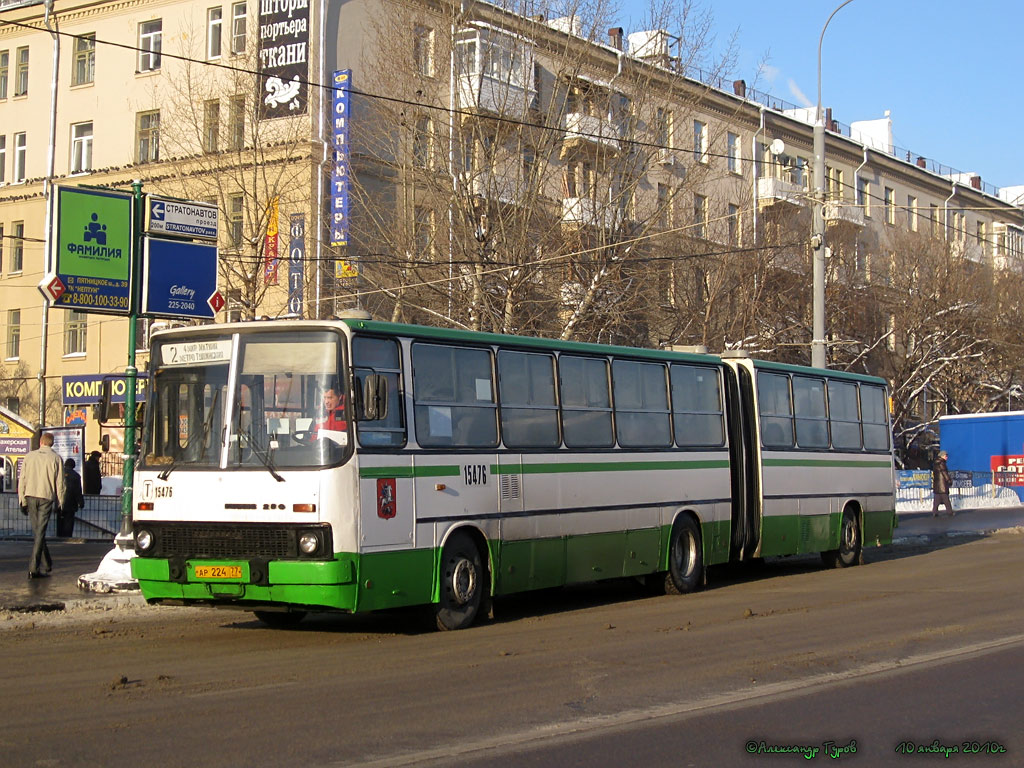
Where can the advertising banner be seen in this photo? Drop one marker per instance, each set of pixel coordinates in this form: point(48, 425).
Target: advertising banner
point(69, 443)
point(296, 260)
point(92, 250)
point(340, 176)
point(84, 389)
point(270, 246)
point(283, 58)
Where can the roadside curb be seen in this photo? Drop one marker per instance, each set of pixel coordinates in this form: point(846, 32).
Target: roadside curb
point(77, 603)
point(924, 538)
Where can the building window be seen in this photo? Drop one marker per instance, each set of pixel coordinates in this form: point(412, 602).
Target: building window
point(147, 137)
point(3, 159)
point(150, 43)
point(663, 128)
point(864, 195)
point(17, 246)
point(235, 308)
point(5, 68)
point(20, 155)
point(981, 234)
point(1, 247)
point(835, 184)
point(700, 216)
point(142, 334)
point(933, 210)
point(84, 67)
point(211, 126)
point(421, 143)
point(423, 231)
point(423, 51)
point(733, 223)
point(81, 147)
point(912, 213)
point(21, 73)
point(75, 328)
point(732, 142)
point(13, 334)
point(890, 205)
point(236, 118)
point(235, 220)
point(214, 32)
point(238, 28)
point(663, 212)
point(700, 141)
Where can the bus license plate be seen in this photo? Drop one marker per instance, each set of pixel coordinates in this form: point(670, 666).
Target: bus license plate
point(217, 571)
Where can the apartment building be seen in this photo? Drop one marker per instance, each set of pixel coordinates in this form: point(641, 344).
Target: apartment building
point(507, 172)
point(103, 93)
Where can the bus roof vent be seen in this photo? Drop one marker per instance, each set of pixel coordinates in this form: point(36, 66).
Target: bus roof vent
point(354, 314)
point(735, 354)
point(693, 349)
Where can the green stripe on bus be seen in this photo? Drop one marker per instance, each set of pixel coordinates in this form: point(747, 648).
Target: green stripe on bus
point(823, 463)
point(545, 468)
point(406, 471)
point(612, 466)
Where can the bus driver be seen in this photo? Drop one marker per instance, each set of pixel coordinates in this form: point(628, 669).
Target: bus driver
point(334, 409)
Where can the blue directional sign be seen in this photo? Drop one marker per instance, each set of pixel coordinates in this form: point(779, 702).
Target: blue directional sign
point(179, 279)
point(180, 217)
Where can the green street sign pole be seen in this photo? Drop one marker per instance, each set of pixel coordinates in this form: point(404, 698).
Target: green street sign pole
point(131, 373)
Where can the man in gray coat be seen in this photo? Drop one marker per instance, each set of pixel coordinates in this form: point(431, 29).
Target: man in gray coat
point(40, 487)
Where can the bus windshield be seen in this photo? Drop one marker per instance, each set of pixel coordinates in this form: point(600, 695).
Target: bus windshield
point(265, 400)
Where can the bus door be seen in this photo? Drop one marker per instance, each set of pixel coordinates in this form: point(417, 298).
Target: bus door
point(746, 511)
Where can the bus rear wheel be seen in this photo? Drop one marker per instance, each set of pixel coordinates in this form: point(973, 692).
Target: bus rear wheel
point(685, 558)
point(463, 583)
point(280, 619)
point(849, 551)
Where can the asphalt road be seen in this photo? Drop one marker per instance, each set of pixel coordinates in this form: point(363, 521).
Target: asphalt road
point(922, 643)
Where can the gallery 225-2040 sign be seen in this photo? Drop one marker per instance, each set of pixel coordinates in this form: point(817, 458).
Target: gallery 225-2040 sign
point(283, 57)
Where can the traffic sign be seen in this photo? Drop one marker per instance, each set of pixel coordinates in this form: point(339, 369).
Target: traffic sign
point(179, 278)
point(165, 216)
point(92, 251)
point(52, 288)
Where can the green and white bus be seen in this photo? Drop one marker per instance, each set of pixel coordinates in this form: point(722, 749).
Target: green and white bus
point(456, 466)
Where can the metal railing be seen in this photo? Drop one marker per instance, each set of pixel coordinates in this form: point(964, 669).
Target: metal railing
point(99, 519)
point(970, 490)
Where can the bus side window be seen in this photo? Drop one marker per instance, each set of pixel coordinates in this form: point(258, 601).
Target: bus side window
point(776, 410)
point(380, 356)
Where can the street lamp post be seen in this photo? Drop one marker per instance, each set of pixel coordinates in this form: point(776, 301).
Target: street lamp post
point(818, 240)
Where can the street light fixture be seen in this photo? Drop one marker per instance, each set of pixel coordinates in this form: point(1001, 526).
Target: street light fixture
point(818, 240)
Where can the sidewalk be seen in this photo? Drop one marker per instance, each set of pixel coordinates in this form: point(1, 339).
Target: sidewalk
point(60, 591)
point(965, 522)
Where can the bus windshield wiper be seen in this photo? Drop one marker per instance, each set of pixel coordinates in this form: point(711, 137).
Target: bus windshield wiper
point(205, 434)
point(266, 458)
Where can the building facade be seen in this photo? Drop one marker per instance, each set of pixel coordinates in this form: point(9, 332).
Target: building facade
point(504, 172)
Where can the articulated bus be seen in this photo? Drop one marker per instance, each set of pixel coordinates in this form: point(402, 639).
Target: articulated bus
point(456, 466)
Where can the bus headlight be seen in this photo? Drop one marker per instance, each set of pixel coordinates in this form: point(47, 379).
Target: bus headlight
point(309, 543)
point(144, 540)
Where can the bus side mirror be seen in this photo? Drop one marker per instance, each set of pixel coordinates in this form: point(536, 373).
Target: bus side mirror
point(101, 412)
point(375, 397)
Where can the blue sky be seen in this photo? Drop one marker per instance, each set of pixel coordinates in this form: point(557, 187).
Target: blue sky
point(948, 72)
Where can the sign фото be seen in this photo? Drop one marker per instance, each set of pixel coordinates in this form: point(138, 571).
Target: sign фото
point(92, 251)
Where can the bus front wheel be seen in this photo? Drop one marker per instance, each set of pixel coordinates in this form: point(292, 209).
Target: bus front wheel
point(463, 583)
point(849, 551)
point(685, 558)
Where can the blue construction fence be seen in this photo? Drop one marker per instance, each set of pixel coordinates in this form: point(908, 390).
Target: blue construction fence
point(970, 490)
point(100, 519)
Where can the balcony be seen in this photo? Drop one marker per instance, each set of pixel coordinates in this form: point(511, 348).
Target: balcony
point(838, 212)
point(588, 130)
point(584, 211)
point(492, 95)
point(771, 190)
point(500, 188)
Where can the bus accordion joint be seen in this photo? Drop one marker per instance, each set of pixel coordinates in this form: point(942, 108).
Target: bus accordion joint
point(303, 507)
